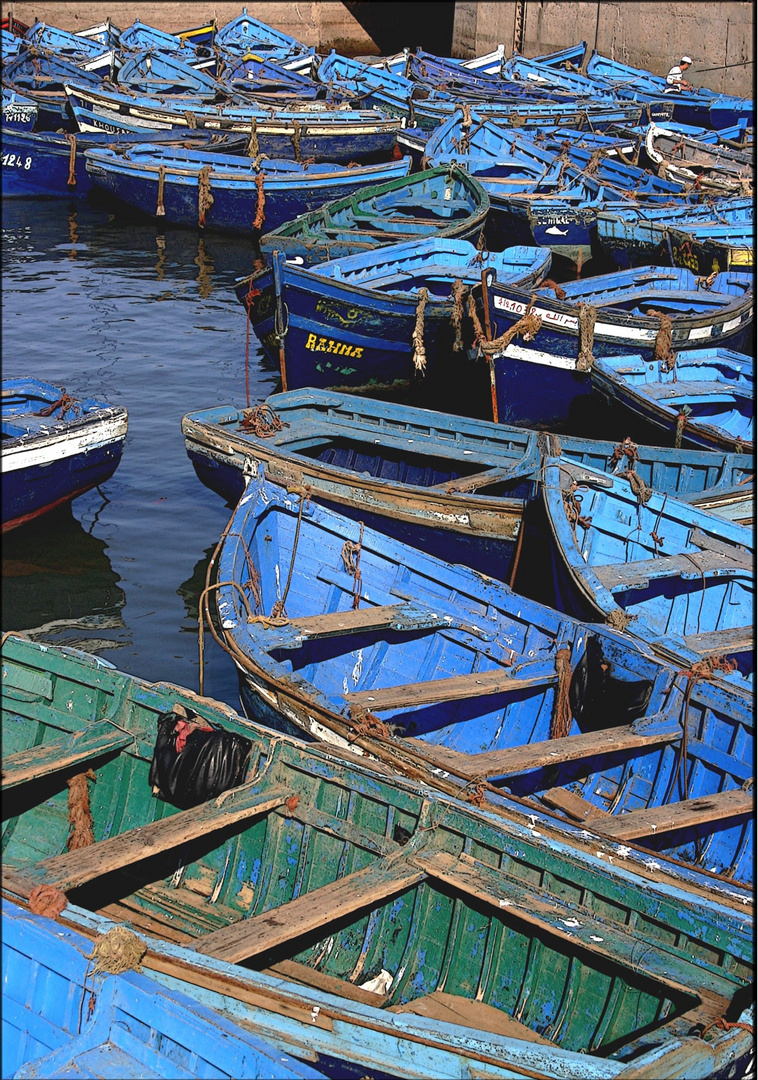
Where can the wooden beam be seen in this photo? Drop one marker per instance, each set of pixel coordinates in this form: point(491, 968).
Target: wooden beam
point(492, 475)
point(381, 617)
point(478, 684)
point(637, 574)
point(742, 558)
point(539, 755)
point(74, 868)
point(452, 1009)
point(732, 639)
point(330, 984)
point(656, 820)
point(312, 911)
point(572, 805)
point(58, 754)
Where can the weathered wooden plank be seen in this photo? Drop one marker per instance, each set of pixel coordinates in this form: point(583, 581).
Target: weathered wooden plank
point(548, 752)
point(478, 684)
point(307, 976)
point(51, 757)
point(475, 481)
point(680, 389)
point(573, 806)
point(731, 639)
point(312, 911)
point(614, 944)
point(744, 559)
point(75, 867)
point(679, 815)
point(383, 617)
point(452, 1009)
point(617, 576)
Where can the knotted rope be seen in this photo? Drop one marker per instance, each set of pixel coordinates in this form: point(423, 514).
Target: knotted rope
point(263, 421)
point(260, 204)
point(527, 327)
point(479, 335)
point(65, 403)
point(618, 619)
point(573, 506)
point(548, 283)
point(587, 317)
point(205, 199)
point(351, 559)
point(465, 139)
point(277, 611)
point(560, 721)
point(117, 951)
point(296, 139)
point(457, 293)
point(628, 449)
point(160, 209)
point(191, 119)
point(252, 146)
point(81, 825)
point(662, 351)
point(639, 487)
point(47, 900)
point(365, 723)
point(681, 420)
point(417, 338)
point(706, 282)
point(71, 161)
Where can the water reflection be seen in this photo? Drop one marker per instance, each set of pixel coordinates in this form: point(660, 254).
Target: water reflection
point(59, 585)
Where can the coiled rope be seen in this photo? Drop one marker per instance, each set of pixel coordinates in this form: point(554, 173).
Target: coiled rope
point(263, 421)
point(417, 338)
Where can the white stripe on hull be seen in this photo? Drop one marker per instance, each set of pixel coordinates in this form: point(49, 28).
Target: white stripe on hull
point(64, 445)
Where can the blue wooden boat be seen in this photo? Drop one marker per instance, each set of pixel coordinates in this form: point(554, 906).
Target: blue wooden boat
point(249, 76)
point(51, 165)
point(63, 43)
point(398, 928)
point(436, 72)
point(19, 111)
point(445, 202)
point(678, 578)
point(373, 87)
point(54, 447)
point(653, 311)
point(219, 191)
point(712, 170)
point(707, 399)
point(10, 45)
point(105, 32)
point(61, 1019)
point(456, 488)
point(139, 37)
point(42, 78)
point(150, 72)
point(465, 671)
point(363, 321)
point(245, 34)
point(702, 239)
point(699, 106)
point(315, 131)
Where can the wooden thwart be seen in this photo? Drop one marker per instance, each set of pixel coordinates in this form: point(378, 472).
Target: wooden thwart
point(76, 867)
point(734, 639)
point(736, 555)
point(382, 617)
point(312, 911)
point(452, 1009)
point(618, 576)
point(549, 752)
point(52, 757)
point(680, 815)
point(478, 684)
point(476, 480)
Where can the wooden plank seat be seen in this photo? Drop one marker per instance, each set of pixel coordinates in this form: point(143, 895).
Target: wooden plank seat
point(452, 1009)
point(47, 758)
point(436, 691)
point(74, 868)
point(739, 556)
point(493, 475)
point(539, 755)
point(653, 821)
point(312, 910)
point(730, 639)
point(617, 577)
point(681, 389)
point(358, 620)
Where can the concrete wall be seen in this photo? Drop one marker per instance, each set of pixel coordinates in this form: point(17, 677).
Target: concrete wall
point(324, 25)
point(652, 34)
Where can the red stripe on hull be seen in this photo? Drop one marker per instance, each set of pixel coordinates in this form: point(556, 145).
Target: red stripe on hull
point(7, 525)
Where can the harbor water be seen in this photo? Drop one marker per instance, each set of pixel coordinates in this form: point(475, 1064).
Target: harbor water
point(146, 319)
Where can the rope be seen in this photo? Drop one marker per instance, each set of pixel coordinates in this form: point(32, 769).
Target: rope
point(548, 283)
point(662, 351)
point(190, 119)
point(457, 293)
point(618, 619)
point(72, 161)
point(465, 139)
point(263, 421)
point(573, 506)
point(82, 827)
point(639, 487)
point(587, 317)
point(527, 327)
point(252, 147)
point(47, 900)
point(365, 723)
point(117, 951)
point(706, 282)
point(681, 420)
point(277, 611)
point(160, 209)
point(296, 139)
point(64, 403)
point(351, 558)
point(479, 335)
point(259, 211)
point(560, 721)
point(417, 338)
point(703, 669)
point(204, 198)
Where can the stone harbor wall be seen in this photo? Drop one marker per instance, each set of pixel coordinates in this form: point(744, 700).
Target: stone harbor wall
point(652, 34)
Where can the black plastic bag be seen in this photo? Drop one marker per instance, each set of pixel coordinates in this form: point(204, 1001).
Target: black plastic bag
point(209, 761)
point(600, 700)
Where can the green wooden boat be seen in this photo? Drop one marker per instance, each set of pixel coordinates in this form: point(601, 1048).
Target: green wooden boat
point(444, 202)
point(567, 956)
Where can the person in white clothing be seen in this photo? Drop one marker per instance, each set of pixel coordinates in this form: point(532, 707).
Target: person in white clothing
point(675, 79)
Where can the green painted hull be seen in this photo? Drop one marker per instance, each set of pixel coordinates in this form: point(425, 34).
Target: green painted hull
point(360, 875)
